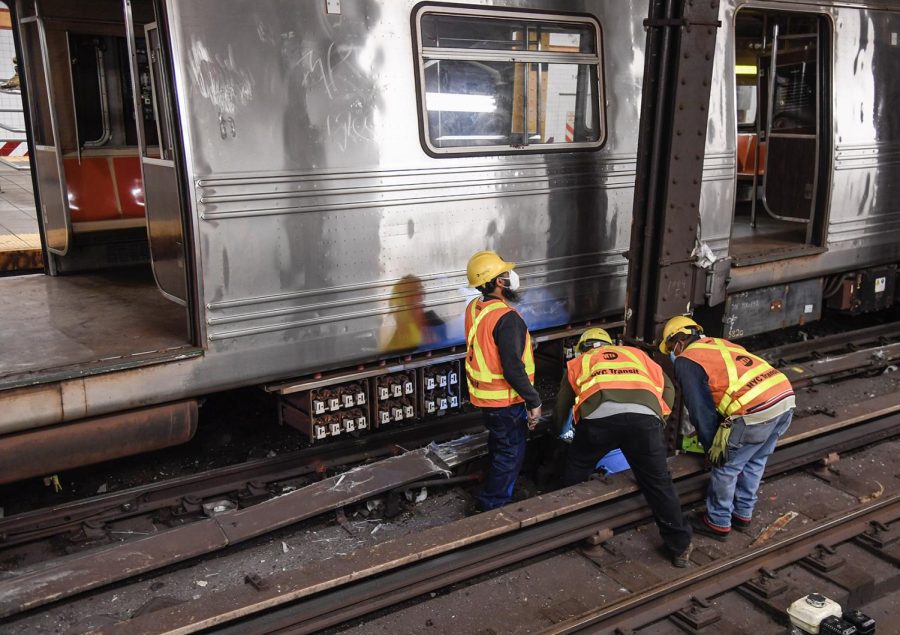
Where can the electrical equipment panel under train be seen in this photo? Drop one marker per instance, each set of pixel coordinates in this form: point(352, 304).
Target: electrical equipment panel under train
point(391, 398)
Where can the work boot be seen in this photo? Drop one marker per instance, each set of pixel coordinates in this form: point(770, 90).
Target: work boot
point(702, 526)
point(739, 522)
point(683, 559)
point(473, 508)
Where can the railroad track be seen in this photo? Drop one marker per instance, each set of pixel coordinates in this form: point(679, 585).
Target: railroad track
point(296, 602)
point(687, 600)
point(245, 482)
point(837, 356)
point(856, 426)
point(810, 362)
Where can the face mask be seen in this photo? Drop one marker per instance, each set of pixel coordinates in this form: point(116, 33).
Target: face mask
point(513, 281)
point(672, 356)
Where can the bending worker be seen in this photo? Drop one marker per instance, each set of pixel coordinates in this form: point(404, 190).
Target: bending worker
point(621, 398)
point(740, 405)
point(500, 373)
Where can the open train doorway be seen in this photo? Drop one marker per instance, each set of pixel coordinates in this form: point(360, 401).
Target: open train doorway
point(114, 290)
point(783, 89)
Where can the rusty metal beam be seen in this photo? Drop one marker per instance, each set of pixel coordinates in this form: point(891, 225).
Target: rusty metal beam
point(681, 38)
point(49, 450)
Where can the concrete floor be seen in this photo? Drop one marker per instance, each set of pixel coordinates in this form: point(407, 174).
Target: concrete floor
point(18, 216)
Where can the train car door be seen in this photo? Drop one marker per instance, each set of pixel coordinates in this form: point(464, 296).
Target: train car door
point(48, 160)
point(782, 80)
point(162, 187)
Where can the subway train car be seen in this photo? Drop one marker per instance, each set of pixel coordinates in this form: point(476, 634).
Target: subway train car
point(237, 194)
point(798, 203)
point(285, 194)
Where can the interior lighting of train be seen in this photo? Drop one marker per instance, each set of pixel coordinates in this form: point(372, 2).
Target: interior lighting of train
point(459, 102)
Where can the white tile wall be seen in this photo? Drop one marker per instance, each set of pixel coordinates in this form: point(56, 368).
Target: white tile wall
point(7, 100)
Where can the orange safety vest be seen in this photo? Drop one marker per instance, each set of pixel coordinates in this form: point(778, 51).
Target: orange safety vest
point(615, 368)
point(740, 381)
point(484, 372)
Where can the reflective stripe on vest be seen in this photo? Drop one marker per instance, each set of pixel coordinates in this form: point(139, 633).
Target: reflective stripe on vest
point(484, 371)
point(615, 368)
point(737, 391)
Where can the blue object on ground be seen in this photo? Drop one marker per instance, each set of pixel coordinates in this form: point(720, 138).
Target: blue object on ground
point(613, 463)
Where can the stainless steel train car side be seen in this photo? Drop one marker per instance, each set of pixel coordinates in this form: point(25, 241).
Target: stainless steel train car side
point(296, 206)
point(320, 218)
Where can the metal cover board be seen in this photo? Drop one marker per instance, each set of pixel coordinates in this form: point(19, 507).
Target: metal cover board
point(771, 308)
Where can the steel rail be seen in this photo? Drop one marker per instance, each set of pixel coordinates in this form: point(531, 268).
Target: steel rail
point(357, 599)
point(843, 365)
point(401, 585)
point(831, 342)
point(256, 475)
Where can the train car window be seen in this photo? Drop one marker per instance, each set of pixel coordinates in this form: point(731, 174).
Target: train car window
point(746, 105)
point(493, 81)
point(102, 91)
point(148, 116)
point(794, 103)
point(156, 90)
point(41, 123)
point(88, 56)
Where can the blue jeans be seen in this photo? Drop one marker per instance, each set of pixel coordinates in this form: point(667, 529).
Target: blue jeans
point(732, 487)
point(507, 435)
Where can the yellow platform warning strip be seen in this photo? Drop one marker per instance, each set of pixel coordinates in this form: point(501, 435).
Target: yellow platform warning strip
point(19, 163)
point(20, 252)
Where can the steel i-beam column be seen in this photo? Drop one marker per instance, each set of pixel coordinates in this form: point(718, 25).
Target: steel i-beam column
point(662, 278)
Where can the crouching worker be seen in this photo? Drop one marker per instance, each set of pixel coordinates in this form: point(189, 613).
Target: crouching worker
point(621, 398)
point(740, 405)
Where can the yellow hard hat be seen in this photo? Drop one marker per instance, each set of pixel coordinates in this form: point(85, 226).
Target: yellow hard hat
point(595, 334)
point(675, 325)
point(485, 266)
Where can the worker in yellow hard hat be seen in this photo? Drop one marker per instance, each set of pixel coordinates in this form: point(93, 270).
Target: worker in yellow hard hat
point(740, 406)
point(499, 372)
point(620, 398)
point(678, 325)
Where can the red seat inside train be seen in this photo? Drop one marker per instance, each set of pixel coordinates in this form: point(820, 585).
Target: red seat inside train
point(746, 155)
point(102, 188)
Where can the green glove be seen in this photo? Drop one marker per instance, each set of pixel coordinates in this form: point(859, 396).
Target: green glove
point(690, 443)
point(718, 453)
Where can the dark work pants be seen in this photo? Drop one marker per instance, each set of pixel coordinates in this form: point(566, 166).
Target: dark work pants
point(641, 439)
point(507, 430)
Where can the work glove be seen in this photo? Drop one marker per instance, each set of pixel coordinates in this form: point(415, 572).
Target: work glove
point(718, 452)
